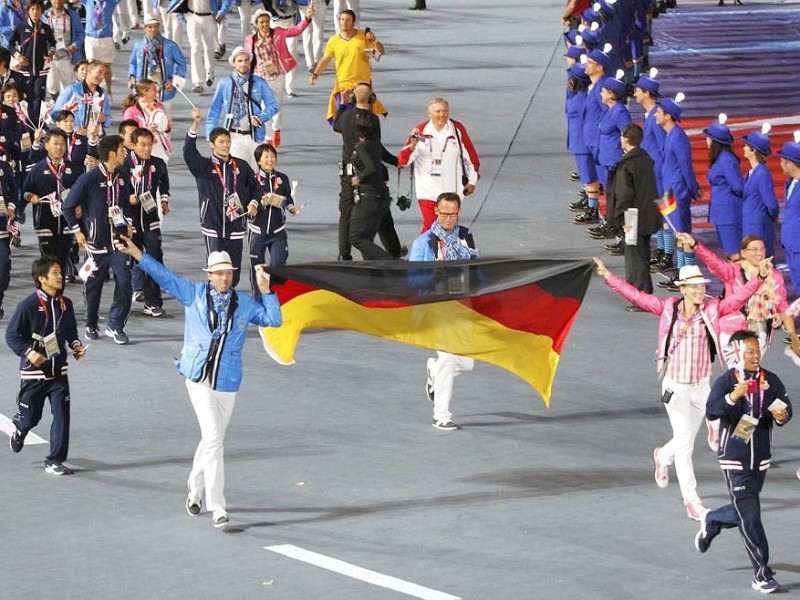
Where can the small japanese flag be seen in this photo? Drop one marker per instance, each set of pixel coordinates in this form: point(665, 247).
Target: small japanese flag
point(88, 269)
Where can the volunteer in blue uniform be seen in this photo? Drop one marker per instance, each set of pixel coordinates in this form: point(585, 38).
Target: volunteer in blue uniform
point(760, 208)
point(727, 186)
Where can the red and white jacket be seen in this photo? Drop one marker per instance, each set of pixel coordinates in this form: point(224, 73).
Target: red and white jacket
point(431, 179)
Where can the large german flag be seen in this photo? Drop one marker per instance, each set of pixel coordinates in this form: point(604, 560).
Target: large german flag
point(513, 313)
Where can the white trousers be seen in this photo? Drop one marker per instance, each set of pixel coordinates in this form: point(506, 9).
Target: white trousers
point(443, 369)
point(60, 76)
point(201, 32)
point(276, 85)
point(243, 147)
point(172, 28)
point(340, 5)
point(686, 411)
point(222, 34)
point(245, 9)
point(213, 410)
point(313, 36)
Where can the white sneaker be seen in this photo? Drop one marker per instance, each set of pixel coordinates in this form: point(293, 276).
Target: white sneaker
point(221, 519)
point(695, 510)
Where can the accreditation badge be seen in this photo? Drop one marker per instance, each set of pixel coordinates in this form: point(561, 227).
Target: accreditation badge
point(271, 69)
point(271, 199)
point(3, 207)
point(50, 343)
point(436, 167)
point(148, 203)
point(116, 217)
point(745, 429)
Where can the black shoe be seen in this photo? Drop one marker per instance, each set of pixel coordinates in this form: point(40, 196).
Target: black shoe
point(659, 253)
point(590, 217)
point(607, 232)
point(665, 264)
point(193, 508)
point(603, 225)
point(615, 250)
point(55, 468)
point(574, 176)
point(125, 40)
point(220, 52)
point(619, 244)
point(2, 312)
point(209, 81)
point(669, 285)
point(17, 441)
point(345, 258)
point(579, 205)
point(418, 5)
point(92, 333)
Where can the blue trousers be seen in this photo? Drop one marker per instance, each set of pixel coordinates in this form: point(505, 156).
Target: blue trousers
point(121, 304)
point(30, 403)
point(793, 261)
point(150, 240)
point(276, 244)
point(744, 512)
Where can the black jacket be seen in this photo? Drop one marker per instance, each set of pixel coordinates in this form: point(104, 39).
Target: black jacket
point(632, 184)
point(42, 181)
point(155, 179)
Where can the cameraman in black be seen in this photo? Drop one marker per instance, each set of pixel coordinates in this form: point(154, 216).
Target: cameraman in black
point(345, 123)
point(371, 201)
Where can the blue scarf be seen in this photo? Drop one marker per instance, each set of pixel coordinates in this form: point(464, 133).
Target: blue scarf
point(453, 248)
point(239, 108)
point(221, 304)
point(152, 51)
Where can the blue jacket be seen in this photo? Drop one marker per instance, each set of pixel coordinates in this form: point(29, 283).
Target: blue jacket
point(593, 111)
point(200, 346)
point(271, 219)
point(99, 17)
point(261, 103)
point(76, 29)
point(735, 454)
point(37, 315)
point(182, 6)
point(760, 206)
point(677, 173)
point(10, 19)
point(170, 58)
point(73, 98)
point(609, 148)
point(575, 106)
point(653, 143)
point(92, 193)
point(790, 228)
point(238, 176)
point(725, 178)
point(425, 248)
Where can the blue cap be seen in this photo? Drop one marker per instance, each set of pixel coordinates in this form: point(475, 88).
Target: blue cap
point(590, 39)
point(617, 86)
point(672, 108)
point(570, 36)
point(590, 16)
point(719, 133)
point(575, 52)
point(791, 152)
point(759, 142)
point(648, 84)
point(600, 57)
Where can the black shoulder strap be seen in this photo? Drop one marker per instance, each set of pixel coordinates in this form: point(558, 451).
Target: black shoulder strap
point(671, 325)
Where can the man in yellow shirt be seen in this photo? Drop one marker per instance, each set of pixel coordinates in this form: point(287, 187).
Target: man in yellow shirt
point(352, 49)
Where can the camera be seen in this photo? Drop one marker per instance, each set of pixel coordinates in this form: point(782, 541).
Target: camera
point(416, 137)
point(404, 203)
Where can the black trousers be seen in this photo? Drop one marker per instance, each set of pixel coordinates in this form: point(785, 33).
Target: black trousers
point(150, 240)
point(345, 210)
point(30, 403)
point(637, 264)
point(365, 220)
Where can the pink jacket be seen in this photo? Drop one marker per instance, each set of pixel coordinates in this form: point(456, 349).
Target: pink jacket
point(279, 36)
point(711, 310)
point(732, 276)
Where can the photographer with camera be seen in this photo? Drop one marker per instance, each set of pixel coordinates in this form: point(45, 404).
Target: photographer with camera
point(443, 159)
point(688, 342)
point(360, 110)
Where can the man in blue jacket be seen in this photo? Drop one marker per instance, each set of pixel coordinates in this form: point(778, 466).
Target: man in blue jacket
point(215, 329)
point(246, 103)
point(445, 240)
point(747, 401)
point(156, 58)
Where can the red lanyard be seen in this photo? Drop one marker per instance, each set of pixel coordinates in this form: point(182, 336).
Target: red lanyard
point(71, 145)
point(58, 172)
point(762, 381)
point(221, 175)
point(147, 176)
point(43, 304)
point(270, 176)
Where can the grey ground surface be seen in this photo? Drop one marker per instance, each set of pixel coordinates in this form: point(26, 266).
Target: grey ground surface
point(336, 453)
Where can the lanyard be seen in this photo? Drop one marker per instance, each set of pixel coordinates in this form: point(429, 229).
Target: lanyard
point(270, 176)
point(112, 186)
point(58, 172)
point(221, 175)
point(71, 145)
point(43, 304)
point(684, 328)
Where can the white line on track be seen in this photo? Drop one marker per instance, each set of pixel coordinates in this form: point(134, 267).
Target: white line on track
point(343, 568)
point(7, 427)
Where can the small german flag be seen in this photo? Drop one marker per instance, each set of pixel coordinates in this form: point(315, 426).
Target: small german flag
point(667, 203)
point(513, 313)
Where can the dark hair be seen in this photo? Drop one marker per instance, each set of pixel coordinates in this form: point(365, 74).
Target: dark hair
point(55, 132)
point(41, 267)
point(216, 132)
point(11, 85)
point(79, 64)
point(141, 132)
point(347, 11)
point(62, 115)
point(107, 145)
point(577, 85)
point(633, 134)
point(5, 57)
point(448, 197)
point(614, 95)
point(716, 149)
point(744, 334)
point(125, 124)
point(762, 158)
point(32, 3)
point(261, 148)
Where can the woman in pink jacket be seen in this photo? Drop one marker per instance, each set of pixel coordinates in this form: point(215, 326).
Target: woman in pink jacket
point(148, 112)
point(272, 59)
